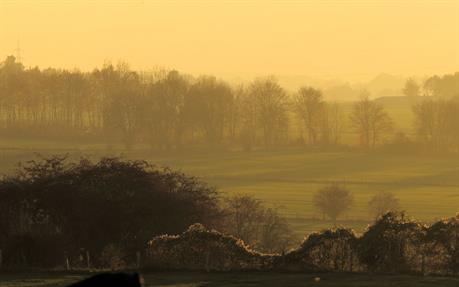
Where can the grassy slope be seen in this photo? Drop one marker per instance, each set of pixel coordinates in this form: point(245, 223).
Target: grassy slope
point(428, 188)
point(182, 279)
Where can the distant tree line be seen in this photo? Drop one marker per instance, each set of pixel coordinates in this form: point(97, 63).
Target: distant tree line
point(169, 110)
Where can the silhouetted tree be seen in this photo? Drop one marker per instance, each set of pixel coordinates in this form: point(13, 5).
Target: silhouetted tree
point(270, 109)
point(91, 205)
point(436, 124)
point(310, 107)
point(370, 120)
point(333, 200)
point(260, 227)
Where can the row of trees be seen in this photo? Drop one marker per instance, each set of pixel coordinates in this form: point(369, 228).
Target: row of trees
point(437, 124)
point(444, 87)
point(172, 110)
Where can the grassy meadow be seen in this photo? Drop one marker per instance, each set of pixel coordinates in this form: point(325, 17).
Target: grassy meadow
point(427, 187)
point(187, 279)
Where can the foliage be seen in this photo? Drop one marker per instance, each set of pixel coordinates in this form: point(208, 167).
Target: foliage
point(411, 88)
point(92, 205)
point(371, 121)
point(389, 243)
point(436, 124)
point(170, 110)
point(201, 249)
point(382, 203)
point(331, 250)
point(333, 200)
point(442, 240)
point(262, 228)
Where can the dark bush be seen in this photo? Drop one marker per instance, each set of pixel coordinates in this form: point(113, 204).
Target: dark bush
point(331, 250)
point(201, 249)
point(91, 205)
point(390, 244)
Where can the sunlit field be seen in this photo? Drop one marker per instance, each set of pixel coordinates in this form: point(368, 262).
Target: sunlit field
point(427, 187)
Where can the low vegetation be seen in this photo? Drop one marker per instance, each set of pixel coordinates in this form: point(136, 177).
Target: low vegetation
point(117, 214)
point(393, 244)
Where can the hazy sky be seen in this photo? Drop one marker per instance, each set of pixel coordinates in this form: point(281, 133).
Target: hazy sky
point(316, 38)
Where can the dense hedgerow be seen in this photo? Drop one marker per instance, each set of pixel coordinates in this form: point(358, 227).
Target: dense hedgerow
point(201, 249)
point(393, 244)
point(331, 250)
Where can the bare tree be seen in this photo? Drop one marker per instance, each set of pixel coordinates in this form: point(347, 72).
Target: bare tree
point(207, 108)
point(331, 124)
point(248, 119)
point(270, 106)
point(370, 120)
point(383, 202)
point(244, 216)
point(436, 124)
point(309, 106)
point(262, 228)
point(275, 234)
point(333, 200)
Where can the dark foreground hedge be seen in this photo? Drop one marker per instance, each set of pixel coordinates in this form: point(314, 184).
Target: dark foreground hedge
point(393, 244)
point(201, 249)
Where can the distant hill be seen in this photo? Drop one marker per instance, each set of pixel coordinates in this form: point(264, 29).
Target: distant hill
point(386, 85)
point(399, 101)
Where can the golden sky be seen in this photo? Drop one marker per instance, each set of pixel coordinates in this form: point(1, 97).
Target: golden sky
point(347, 38)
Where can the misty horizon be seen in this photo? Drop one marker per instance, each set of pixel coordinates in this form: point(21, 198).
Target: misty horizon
point(348, 40)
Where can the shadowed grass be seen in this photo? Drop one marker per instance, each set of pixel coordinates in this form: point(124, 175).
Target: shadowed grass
point(176, 279)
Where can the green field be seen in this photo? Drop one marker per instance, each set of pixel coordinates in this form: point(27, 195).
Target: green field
point(183, 279)
point(428, 187)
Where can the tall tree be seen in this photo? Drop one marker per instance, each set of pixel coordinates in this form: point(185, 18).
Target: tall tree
point(436, 124)
point(207, 105)
point(370, 120)
point(310, 107)
point(271, 110)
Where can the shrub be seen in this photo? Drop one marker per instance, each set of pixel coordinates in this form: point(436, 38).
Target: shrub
point(331, 250)
point(91, 205)
point(390, 244)
point(201, 249)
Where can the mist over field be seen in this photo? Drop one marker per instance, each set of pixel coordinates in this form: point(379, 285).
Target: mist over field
point(317, 140)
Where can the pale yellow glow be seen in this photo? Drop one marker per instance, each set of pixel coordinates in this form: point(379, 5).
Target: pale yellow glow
point(316, 38)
